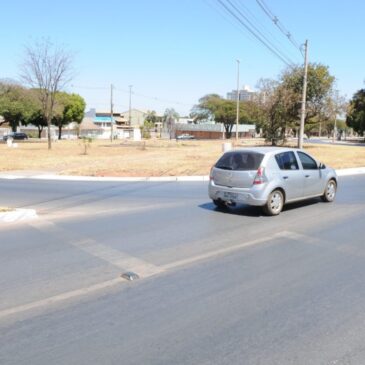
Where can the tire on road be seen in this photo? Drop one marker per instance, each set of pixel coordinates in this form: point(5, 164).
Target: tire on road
point(330, 191)
point(274, 204)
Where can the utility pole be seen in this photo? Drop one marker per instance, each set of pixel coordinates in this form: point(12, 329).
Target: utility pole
point(130, 105)
point(238, 98)
point(111, 113)
point(304, 96)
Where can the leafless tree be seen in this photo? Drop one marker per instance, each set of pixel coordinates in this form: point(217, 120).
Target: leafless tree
point(46, 68)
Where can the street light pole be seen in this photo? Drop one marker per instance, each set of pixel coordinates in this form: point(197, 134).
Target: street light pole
point(130, 105)
point(111, 113)
point(238, 98)
point(304, 96)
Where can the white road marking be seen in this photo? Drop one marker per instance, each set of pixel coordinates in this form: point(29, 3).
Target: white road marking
point(113, 257)
point(75, 212)
point(304, 238)
point(223, 251)
point(121, 260)
point(130, 263)
point(118, 258)
point(59, 298)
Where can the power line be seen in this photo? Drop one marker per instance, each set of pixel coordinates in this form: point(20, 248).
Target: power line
point(254, 32)
point(258, 31)
point(91, 87)
point(155, 98)
point(278, 23)
point(261, 25)
point(223, 14)
point(133, 93)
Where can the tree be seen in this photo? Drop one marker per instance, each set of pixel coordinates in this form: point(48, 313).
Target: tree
point(16, 104)
point(319, 88)
point(38, 120)
point(273, 101)
point(214, 107)
point(170, 116)
point(356, 112)
point(46, 68)
point(152, 117)
point(68, 108)
point(336, 106)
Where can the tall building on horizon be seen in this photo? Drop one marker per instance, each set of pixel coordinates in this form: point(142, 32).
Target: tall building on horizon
point(245, 94)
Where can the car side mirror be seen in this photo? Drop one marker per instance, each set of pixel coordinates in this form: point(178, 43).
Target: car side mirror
point(321, 166)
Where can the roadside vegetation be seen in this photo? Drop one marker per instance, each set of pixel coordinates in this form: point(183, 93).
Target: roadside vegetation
point(146, 158)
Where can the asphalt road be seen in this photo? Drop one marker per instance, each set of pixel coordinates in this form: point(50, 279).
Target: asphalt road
point(215, 287)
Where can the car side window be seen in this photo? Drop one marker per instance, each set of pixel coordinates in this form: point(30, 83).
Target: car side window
point(307, 162)
point(287, 161)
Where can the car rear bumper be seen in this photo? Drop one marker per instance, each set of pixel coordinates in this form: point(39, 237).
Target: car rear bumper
point(236, 195)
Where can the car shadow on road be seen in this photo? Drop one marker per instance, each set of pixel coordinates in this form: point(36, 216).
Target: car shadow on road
point(252, 211)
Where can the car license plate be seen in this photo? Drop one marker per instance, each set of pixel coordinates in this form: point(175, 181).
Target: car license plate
point(229, 195)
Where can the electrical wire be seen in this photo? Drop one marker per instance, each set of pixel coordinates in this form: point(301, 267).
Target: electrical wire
point(263, 27)
point(278, 23)
point(90, 87)
point(254, 32)
point(133, 93)
point(258, 31)
point(154, 98)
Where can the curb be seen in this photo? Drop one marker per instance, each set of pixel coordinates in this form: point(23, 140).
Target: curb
point(104, 179)
point(340, 172)
point(351, 171)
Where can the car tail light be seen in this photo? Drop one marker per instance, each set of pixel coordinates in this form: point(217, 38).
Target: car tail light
point(211, 173)
point(259, 178)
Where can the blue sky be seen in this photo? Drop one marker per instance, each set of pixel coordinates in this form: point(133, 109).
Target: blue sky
point(174, 52)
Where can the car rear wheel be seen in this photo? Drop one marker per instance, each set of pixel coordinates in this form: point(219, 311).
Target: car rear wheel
point(274, 204)
point(330, 191)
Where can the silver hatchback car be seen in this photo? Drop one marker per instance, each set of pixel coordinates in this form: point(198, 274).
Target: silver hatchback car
point(270, 177)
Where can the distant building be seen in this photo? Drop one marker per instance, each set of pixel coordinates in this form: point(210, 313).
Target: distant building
point(213, 130)
point(98, 123)
point(137, 118)
point(246, 94)
point(185, 120)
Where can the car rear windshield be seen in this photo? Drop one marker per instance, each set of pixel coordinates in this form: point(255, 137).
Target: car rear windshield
point(240, 161)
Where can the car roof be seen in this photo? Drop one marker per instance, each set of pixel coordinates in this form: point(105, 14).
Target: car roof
point(265, 150)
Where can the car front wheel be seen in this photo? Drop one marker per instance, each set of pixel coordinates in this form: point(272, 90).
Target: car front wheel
point(274, 204)
point(330, 191)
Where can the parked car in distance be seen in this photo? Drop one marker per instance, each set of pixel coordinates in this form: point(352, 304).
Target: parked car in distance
point(15, 135)
point(270, 177)
point(184, 137)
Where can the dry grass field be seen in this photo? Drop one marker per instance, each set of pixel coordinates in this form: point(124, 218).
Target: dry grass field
point(149, 158)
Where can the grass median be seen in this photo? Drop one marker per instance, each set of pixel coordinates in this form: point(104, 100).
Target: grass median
point(146, 158)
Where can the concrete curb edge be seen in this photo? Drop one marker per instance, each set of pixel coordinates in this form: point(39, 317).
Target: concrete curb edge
point(340, 172)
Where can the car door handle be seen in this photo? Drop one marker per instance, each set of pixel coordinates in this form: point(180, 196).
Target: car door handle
point(307, 175)
point(285, 177)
